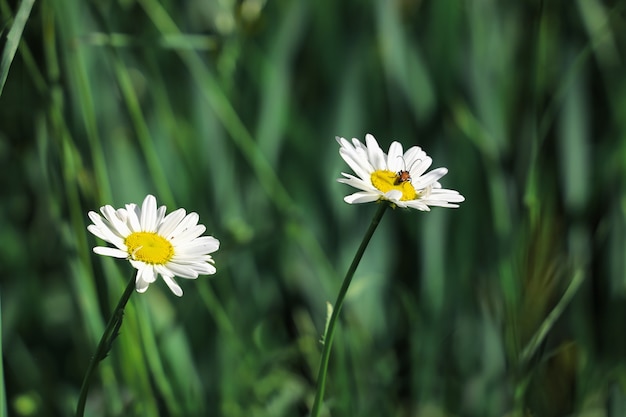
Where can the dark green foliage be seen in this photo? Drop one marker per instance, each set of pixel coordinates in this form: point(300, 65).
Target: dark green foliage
point(230, 109)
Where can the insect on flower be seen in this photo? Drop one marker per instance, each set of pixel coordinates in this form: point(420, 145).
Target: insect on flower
point(380, 176)
point(402, 176)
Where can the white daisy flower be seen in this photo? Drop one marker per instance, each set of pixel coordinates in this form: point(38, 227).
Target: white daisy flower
point(155, 244)
point(398, 177)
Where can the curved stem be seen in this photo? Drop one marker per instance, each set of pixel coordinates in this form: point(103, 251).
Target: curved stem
point(330, 327)
point(110, 332)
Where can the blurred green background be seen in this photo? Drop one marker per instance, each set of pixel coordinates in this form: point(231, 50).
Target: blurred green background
point(230, 109)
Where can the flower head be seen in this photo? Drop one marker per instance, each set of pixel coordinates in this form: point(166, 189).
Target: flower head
point(155, 244)
point(397, 177)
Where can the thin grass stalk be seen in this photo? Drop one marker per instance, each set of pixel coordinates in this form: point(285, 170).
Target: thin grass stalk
point(3, 397)
point(13, 40)
point(545, 327)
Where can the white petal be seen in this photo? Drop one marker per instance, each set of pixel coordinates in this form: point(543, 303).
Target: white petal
point(146, 272)
point(173, 286)
point(105, 234)
point(117, 225)
point(201, 268)
point(199, 246)
point(181, 270)
point(140, 285)
point(445, 194)
point(113, 252)
point(395, 196)
point(375, 155)
point(362, 197)
point(193, 259)
point(105, 231)
point(435, 203)
point(412, 155)
point(148, 214)
point(365, 185)
point(429, 178)
point(93, 215)
point(160, 215)
point(418, 168)
point(189, 234)
point(189, 221)
point(395, 161)
point(361, 167)
point(205, 269)
point(133, 217)
point(443, 198)
point(418, 204)
point(96, 231)
point(170, 222)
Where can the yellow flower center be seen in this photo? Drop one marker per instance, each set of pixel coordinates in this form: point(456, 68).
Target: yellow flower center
point(386, 181)
point(149, 247)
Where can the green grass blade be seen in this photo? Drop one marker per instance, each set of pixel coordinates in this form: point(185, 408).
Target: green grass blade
point(13, 40)
point(3, 397)
point(554, 315)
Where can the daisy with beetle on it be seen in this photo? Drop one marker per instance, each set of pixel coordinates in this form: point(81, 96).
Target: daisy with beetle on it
point(397, 179)
point(155, 244)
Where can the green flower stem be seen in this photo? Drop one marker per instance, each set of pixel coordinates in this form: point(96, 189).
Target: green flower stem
point(110, 332)
point(330, 326)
